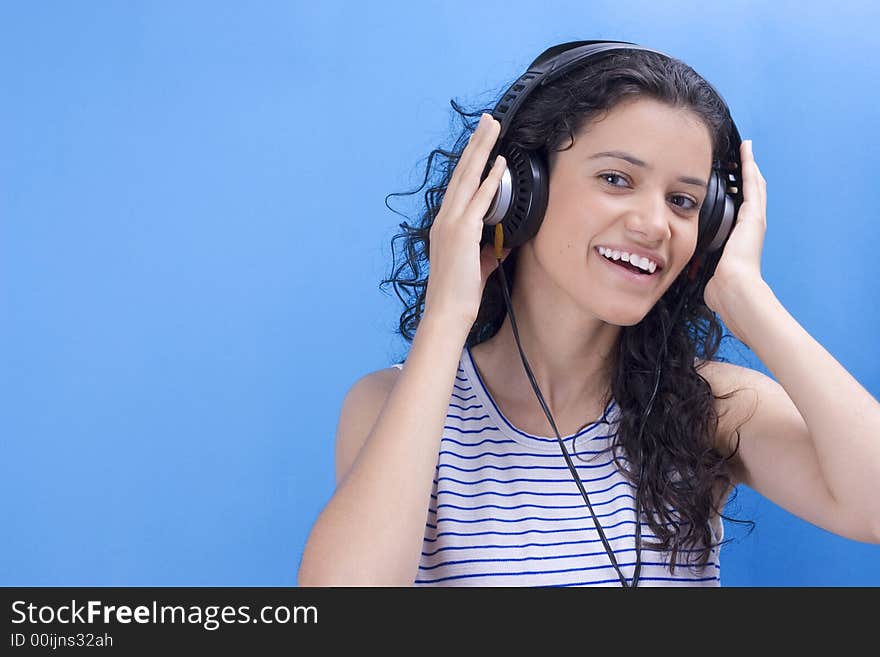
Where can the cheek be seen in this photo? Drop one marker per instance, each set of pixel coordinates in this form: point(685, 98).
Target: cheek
point(683, 243)
point(689, 241)
point(577, 214)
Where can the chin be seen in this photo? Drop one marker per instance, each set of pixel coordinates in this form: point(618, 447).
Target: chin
point(624, 320)
point(620, 312)
point(622, 316)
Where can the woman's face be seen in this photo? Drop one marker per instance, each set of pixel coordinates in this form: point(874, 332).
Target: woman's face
point(600, 202)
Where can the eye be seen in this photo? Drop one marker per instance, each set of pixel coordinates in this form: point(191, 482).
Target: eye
point(693, 204)
point(612, 175)
point(683, 204)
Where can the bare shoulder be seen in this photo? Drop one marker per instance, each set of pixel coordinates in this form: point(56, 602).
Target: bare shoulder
point(378, 380)
point(361, 407)
point(775, 453)
point(737, 390)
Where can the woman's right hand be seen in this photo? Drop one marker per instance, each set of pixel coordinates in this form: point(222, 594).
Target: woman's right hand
point(458, 267)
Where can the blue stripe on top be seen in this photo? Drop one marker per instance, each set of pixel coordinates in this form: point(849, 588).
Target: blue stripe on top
point(504, 510)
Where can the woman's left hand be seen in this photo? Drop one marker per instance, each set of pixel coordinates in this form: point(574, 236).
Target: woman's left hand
point(739, 268)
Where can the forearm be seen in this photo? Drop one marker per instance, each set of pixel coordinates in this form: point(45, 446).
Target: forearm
point(371, 531)
point(842, 417)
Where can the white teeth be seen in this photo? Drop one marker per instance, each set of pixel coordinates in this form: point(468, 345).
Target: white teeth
point(641, 262)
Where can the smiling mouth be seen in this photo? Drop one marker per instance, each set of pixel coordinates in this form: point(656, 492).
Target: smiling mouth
point(627, 267)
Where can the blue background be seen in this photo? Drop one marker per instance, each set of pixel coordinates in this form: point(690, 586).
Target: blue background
point(193, 229)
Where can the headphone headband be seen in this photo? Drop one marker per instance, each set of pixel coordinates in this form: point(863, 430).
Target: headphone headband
point(557, 60)
point(548, 66)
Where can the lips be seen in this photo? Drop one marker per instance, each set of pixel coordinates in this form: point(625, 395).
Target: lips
point(626, 274)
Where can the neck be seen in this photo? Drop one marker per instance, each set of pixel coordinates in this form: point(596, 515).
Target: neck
point(570, 352)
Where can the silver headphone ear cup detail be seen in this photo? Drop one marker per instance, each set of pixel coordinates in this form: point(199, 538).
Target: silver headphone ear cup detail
point(711, 213)
point(521, 200)
point(725, 227)
point(501, 200)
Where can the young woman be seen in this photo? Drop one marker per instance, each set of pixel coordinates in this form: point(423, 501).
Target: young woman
point(448, 470)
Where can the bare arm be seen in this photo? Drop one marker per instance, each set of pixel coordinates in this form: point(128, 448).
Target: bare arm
point(812, 443)
point(812, 440)
point(371, 531)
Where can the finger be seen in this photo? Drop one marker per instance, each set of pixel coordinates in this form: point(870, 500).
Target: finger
point(754, 190)
point(462, 159)
point(763, 188)
point(472, 169)
point(474, 159)
point(467, 151)
point(751, 186)
point(483, 198)
point(759, 177)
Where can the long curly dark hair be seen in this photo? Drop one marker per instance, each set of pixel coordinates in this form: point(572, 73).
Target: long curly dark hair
point(679, 465)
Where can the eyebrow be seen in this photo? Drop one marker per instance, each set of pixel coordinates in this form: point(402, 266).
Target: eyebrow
point(639, 163)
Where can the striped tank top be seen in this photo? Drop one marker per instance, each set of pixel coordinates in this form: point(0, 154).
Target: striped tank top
point(505, 511)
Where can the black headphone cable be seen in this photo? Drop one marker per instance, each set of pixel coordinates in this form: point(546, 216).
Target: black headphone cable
point(499, 242)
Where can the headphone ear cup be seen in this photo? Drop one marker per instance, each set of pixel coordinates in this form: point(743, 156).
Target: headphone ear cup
point(521, 198)
point(717, 216)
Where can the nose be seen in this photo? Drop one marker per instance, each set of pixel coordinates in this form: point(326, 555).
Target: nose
point(650, 221)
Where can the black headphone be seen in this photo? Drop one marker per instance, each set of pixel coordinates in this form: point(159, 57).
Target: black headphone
point(521, 199)
point(518, 207)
